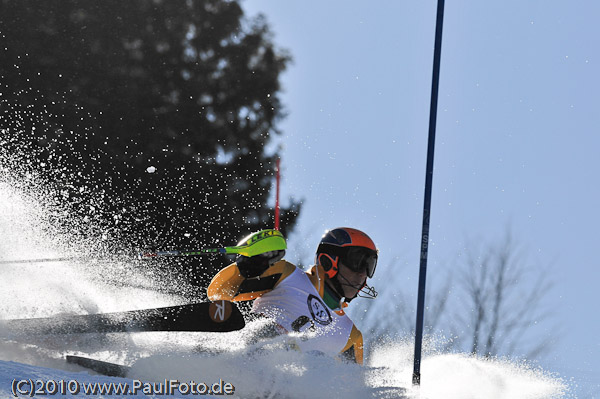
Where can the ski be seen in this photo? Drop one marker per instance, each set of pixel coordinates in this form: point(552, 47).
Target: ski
point(219, 316)
point(100, 367)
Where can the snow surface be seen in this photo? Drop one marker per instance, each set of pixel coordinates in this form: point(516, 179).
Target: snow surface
point(277, 373)
point(263, 370)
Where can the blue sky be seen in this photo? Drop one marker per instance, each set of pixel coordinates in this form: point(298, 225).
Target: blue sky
point(517, 140)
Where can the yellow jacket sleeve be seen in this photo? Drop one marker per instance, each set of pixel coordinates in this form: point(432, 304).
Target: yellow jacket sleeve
point(353, 351)
point(230, 285)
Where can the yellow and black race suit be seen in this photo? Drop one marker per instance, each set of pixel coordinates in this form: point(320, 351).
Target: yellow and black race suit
point(294, 300)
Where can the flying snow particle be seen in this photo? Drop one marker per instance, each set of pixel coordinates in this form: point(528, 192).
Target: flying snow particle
point(151, 169)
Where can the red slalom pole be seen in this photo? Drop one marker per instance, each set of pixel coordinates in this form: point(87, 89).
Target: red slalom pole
point(277, 179)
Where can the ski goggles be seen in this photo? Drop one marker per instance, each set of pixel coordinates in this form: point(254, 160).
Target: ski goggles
point(358, 259)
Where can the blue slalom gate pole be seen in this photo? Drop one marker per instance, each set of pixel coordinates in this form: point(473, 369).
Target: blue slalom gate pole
point(427, 198)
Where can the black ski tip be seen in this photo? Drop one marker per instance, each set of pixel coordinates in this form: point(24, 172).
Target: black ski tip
point(100, 367)
point(218, 316)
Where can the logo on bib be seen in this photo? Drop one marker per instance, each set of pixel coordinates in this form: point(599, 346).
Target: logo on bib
point(318, 310)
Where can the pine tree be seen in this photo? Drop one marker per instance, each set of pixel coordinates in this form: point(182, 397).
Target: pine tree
point(156, 112)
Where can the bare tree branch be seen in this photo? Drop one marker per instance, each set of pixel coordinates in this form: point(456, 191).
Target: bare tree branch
point(498, 296)
point(496, 288)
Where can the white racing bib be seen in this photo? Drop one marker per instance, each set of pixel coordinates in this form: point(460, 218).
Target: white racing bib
point(296, 305)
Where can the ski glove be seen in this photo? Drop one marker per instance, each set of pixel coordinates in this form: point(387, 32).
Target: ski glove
point(256, 265)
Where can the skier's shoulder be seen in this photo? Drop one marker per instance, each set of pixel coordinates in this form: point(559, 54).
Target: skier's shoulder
point(282, 269)
point(316, 275)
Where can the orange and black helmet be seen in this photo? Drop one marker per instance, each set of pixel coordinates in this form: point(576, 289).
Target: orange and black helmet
point(354, 248)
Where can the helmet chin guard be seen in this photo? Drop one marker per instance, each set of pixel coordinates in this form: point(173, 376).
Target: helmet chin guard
point(365, 291)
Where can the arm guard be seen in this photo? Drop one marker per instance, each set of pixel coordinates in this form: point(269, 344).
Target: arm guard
point(229, 284)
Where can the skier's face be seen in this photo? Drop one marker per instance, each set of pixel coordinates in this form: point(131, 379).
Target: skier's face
point(351, 281)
